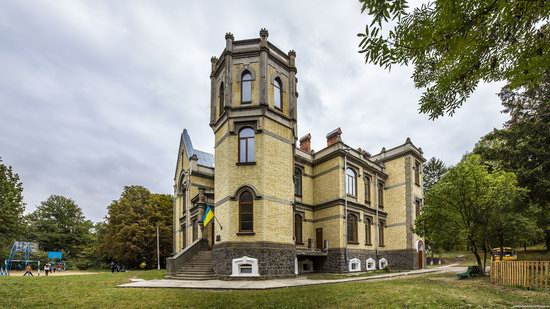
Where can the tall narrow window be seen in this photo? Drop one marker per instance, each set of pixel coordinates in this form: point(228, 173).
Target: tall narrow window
point(297, 181)
point(195, 229)
point(368, 237)
point(381, 195)
point(278, 93)
point(183, 236)
point(246, 87)
point(381, 225)
point(350, 182)
point(367, 189)
point(417, 173)
point(222, 96)
point(418, 207)
point(246, 145)
point(352, 228)
point(246, 212)
point(298, 229)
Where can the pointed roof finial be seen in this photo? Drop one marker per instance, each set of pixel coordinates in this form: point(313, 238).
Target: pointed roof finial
point(264, 33)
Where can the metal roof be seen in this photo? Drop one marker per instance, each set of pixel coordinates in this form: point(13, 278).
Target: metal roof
point(205, 158)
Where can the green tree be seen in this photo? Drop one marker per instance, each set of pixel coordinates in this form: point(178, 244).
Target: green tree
point(433, 170)
point(521, 146)
point(454, 45)
point(11, 208)
point(474, 204)
point(58, 224)
point(130, 227)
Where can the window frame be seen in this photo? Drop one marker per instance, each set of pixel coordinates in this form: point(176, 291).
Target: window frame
point(417, 167)
point(381, 226)
point(298, 181)
point(418, 207)
point(354, 182)
point(278, 86)
point(367, 188)
point(380, 188)
point(299, 241)
point(247, 146)
point(241, 213)
point(368, 230)
point(221, 102)
point(355, 232)
point(249, 83)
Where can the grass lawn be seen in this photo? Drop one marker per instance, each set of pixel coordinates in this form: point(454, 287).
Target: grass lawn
point(99, 291)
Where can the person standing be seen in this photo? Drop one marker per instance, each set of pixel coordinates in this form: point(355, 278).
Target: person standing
point(113, 266)
point(47, 268)
point(28, 271)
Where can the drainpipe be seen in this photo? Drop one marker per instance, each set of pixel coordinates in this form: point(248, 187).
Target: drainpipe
point(345, 206)
point(377, 218)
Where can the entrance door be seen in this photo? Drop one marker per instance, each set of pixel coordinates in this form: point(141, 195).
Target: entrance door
point(319, 238)
point(420, 259)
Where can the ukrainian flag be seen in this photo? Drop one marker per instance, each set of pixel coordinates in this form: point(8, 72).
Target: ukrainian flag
point(208, 215)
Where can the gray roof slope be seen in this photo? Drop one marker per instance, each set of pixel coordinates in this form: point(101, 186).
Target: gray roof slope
point(205, 158)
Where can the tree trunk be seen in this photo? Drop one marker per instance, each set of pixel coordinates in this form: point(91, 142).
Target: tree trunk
point(473, 248)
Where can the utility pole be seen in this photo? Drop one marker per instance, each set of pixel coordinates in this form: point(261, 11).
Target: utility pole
point(158, 248)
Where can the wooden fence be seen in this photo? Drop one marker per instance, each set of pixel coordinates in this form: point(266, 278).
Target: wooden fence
point(527, 274)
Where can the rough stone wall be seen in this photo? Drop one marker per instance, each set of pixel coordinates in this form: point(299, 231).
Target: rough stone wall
point(274, 260)
point(336, 261)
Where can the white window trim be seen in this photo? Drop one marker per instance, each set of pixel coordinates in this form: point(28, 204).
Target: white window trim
point(382, 261)
point(354, 261)
point(236, 263)
point(371, 260)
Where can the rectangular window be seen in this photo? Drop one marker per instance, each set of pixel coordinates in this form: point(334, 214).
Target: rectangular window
point(417, 173)
point(368, 223)
point(250, 150)
point(242, 153)
point(418, 206)
point(367, 189)
point(381, 226)
point(381, 194)
point(195, 229)
point(246, 91)
point(246, 218)
point(245, 269)
point(183, 236)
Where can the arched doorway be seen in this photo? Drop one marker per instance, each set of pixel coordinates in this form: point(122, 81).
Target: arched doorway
point(420, 252)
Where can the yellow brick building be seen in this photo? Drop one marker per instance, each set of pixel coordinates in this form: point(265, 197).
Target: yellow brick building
point(281, 208)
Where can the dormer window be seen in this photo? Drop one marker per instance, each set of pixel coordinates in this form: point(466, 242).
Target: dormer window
point(278, 93)
point(246, 87)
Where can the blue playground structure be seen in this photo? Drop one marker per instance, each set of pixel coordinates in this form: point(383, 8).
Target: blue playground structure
point(19, 246)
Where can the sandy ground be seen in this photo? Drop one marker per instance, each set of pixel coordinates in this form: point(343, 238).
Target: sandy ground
point(56, 274)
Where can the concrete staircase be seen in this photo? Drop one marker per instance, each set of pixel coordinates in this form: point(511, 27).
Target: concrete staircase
point(199, 268)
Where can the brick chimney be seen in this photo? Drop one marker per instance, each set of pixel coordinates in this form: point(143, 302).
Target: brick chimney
point(334, 136)
point(305, 143)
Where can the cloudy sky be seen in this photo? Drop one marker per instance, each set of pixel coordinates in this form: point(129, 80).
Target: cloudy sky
point(94, 94)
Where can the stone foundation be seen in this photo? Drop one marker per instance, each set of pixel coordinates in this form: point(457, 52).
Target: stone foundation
point(274, 260)
point(336, 261)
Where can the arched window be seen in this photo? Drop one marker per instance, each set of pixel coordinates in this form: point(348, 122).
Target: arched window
point(222, 95)
point(298, 228)
point(246, 87)
point(352, 228)
point(246, 218)
point(351, 182)
point(246, 145)
point(278, 93)
point(297, 181)
point(368, 233)
point(367, 189)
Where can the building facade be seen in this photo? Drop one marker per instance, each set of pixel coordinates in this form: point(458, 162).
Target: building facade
point(281, 208)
